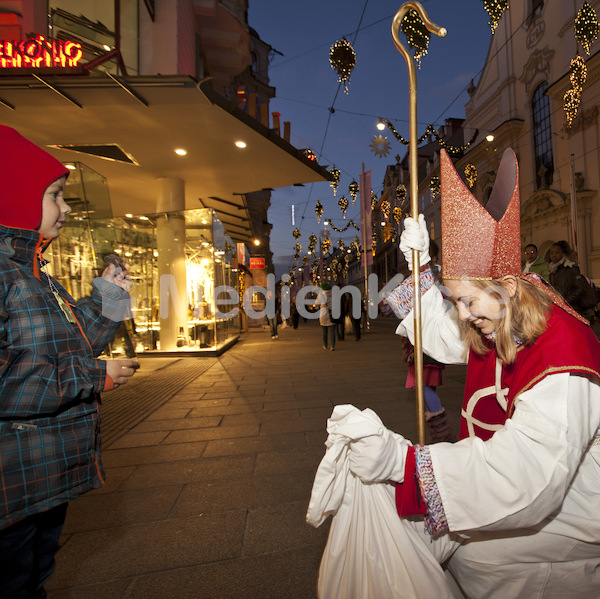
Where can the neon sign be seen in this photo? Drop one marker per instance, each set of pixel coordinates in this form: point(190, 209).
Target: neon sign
point(38, 52)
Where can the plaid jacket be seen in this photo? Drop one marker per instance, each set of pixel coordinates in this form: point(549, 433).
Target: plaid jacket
point(50, 377)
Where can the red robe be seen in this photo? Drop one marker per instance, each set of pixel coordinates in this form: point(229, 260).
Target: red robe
point(567, 345)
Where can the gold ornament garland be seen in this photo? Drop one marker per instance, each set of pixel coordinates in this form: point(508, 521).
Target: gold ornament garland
point(335, 179)
point(319, 211)
point(353, 190)
point(343, 204)
point(417, 34)
point(431, 130)
point(435, 185)
point(572, 97)
point(471, 175)
point(342, 58)
point(495, 8)
point(586, 26)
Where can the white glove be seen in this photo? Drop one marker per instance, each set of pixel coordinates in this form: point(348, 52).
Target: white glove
point(415, 237)
point(379, 458)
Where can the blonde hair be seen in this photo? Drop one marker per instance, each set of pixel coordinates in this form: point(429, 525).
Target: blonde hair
point(525, 318)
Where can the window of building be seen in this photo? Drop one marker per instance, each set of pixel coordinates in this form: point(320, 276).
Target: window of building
point(542, 137)
point(536, 8)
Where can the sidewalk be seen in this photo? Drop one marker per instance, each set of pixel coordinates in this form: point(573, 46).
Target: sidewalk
point(210, 464)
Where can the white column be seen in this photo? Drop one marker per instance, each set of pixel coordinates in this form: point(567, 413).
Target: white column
point(170, 242)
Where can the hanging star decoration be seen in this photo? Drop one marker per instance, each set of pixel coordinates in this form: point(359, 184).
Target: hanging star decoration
point(397, 212)
point(342, 58)
point(335, 179)
point(296, 233)
point(380, 146)
point(353, 190)
point(471, 175)
point(572, 97)
point(495, 8)
point(417, 35)
point(586, 26)
point(319, 211)
point(343, 204)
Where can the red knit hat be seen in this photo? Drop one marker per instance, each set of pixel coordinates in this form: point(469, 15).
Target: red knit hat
point(26, 170)
point(478, 242)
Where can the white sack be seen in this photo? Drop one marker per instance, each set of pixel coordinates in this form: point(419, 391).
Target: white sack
point(371, 553)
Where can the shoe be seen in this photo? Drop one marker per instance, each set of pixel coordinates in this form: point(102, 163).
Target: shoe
point(324, 347)
point(333, 349)
point(439, 428)
point(274, 337)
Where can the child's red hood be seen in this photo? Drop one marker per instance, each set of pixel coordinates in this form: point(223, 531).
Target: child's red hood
point(26, 170)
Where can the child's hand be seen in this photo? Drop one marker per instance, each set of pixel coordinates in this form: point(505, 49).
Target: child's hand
point(119, 276)
point(120, 370)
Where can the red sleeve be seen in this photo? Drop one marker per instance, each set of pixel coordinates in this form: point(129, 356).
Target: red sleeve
point(408, 493)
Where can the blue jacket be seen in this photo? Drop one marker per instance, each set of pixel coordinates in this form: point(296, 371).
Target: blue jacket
point(50, 379)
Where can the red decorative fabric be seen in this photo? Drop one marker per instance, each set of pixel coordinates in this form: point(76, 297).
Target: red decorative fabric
point(567, 345)
point(408, 499)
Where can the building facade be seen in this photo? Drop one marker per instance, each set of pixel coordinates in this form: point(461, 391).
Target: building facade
point(519, 101)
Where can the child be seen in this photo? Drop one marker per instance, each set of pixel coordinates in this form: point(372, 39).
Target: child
point(50, 371)
point(513, 506)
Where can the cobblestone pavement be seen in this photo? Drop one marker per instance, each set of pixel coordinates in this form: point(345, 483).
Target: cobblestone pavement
point(210, 464)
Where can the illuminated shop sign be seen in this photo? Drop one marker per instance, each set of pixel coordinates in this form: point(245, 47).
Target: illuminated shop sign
point(39, 53)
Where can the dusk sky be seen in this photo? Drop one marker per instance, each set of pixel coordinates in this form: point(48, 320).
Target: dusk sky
point(307, 87)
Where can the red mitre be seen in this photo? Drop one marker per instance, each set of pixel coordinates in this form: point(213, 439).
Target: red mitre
point(478, 242)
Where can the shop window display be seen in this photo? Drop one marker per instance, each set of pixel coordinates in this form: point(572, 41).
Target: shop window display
point(187, 295)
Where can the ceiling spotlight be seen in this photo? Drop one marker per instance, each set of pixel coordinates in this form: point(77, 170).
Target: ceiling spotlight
point(257, 242)
point(489, 137)
point(71, 167)
point(381, 125)
point(240, 144)
point(180, 152)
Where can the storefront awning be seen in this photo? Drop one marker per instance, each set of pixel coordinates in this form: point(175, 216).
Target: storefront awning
point(137, 123)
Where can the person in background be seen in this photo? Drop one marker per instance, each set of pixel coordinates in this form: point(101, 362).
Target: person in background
point(325, 319)
point(50, 370)
point(535, 263)
point(272, 307)
point(295, 314)
point(565, 276)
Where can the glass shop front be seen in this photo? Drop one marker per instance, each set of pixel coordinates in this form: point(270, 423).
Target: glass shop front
point(176, 261)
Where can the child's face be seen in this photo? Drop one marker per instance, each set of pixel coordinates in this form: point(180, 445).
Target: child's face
point(478, 306)
point(556, 253)
point(54, 209)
